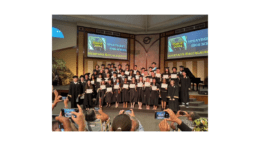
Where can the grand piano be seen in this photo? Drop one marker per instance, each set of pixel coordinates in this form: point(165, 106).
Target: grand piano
point(193, 79)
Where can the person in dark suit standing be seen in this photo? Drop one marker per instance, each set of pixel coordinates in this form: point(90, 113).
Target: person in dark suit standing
point(83, 84)
point(185, 87)
point(74, 91)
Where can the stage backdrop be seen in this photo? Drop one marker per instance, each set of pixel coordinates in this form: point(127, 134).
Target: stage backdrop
point(146, 50)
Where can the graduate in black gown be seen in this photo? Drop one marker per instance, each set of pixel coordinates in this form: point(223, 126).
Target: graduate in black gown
point(103, 68)
point(83, 84)
point(155, 94)
point(74, 92)
point(87, 103)
point(167, 72)
point(95, 73)
point(93, 83)
point(147, 93)
point(101, 93)
point(109, 94)
point(86, 77)
point(158, 75)
point(96, 70)
point(125, 93)
point(176, 80)
point(133, 92)
point(135, 69)
point(173, 92)
point(185, 87)
point(117, 93)
point(164, 93)
point(113, 78)
point(140, 92)
point(137, 76)
point(123, 77)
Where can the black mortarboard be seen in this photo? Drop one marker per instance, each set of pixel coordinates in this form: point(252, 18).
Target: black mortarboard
point(75, 77)
point(122, 70)
point(183, 71)
point(112, 63)
point(149, 77)
point(106, 68)
point(150, 67)
point(108, 64)
point(142, 68)
point(82, 76)
point(174, 67)
point(87, 74)
point(138, 71)
point(119, 65)
point(158, 68)
point(110, 79)
point(145, 70)
point(154, 63)
point(182, 66)
point(114, 67)
point(154, 78)
point(102, 64)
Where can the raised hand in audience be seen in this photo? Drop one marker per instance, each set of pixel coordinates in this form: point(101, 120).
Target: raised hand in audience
point(121, 112)
point(65, 121)
point(66, 101)
point(103, 117)
point(57, 99)
point(80, 119)
point(132, 113)
point(164, 126)
point(173, 117)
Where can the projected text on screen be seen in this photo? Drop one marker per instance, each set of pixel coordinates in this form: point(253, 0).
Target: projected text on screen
point(101, 46)
point(191, 44)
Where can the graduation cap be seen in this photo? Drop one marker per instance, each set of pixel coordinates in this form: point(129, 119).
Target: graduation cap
point(102, 64)
point(106, 68)
point(112, 63)
point(149, 77)
point(142, 68)
point(183, 71)
point(154, 78)
point(174, 67)
point(108, 64)
point(122, 71)
point(75, 77)
point(158, 68)
point(126, 65)
point(119, 65)
point(181, 66)
point(150, 67)
point(87, 74)
point(145, 70)
point(82, 76)
point(114, 67)
point(138, 71)
point(154, 63)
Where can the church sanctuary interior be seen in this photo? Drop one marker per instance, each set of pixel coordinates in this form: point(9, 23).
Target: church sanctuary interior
point(145, 69)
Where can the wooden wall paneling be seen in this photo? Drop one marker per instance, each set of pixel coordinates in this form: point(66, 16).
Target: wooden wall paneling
point(200, 69)
point(81, 41)
point(206, 67)
point(162, 53)
point(174, 63)
point(189, 65)
point(179, 63)
point(194, 65)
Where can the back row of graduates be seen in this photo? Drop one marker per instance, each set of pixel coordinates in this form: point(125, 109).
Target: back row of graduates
point(144, 87)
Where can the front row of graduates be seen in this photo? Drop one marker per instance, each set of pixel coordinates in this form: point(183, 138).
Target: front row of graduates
point(117, 89)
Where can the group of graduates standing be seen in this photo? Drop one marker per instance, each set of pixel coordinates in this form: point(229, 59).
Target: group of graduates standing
point(114, 85)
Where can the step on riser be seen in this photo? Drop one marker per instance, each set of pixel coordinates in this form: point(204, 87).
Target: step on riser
point(193, 109)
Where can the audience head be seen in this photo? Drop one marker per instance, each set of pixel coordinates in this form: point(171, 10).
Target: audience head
point(122, 122)
point(90, 115)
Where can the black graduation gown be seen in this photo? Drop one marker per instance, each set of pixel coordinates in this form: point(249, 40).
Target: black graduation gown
point(109, 95)
point(133, 94)
point(122, 79)
point(173, 91)
point(140, 93)
point(101, 94)
point(83, 84)
point(125, 94)
point(164, 92)
point(155, 95)
point(147, 95)
point(87, 103)
point(116, 95)
point(184, 92)
point(74, 91)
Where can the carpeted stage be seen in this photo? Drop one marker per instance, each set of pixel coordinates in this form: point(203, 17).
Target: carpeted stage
point(198, 103)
